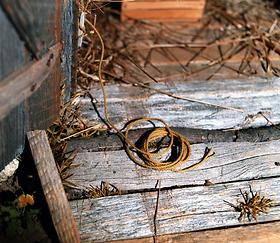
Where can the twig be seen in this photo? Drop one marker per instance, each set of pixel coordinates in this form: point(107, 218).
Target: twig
point(156, 211)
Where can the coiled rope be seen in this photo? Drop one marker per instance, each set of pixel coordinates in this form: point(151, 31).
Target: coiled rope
point(178, 147)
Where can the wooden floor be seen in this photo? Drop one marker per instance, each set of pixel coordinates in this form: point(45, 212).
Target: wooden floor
point(186, 203)
point(230, 115)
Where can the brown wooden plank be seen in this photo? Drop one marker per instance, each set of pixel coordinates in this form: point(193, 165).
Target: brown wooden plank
point(21, 84)
point(163, 10)
point(158, 5)
point(164, 15)
point(250, 96)
point(52, 187)
point(179, 210)
point(259, 233)
point(231, 162)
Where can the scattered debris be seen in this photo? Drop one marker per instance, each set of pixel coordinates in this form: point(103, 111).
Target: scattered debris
point(70, 124)
point(253, 205)
point(105, 189)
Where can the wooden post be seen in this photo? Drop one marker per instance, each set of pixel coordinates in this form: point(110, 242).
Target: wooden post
point(58, 204)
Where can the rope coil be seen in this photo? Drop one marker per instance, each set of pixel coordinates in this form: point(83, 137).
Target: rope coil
point(141, 154)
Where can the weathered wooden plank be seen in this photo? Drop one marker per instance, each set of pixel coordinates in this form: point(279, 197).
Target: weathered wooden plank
point(52, 187)
point(251, 96)
point(12, 51)
point(37, 105)
point(110, 142)
point(232, 162)
point(35, 22)
point(68, 36)
point(12, 135)
point(24, 82)
point(179, 210)
point(259, 233)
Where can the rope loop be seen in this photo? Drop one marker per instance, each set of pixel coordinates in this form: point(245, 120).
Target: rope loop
point(152, 147)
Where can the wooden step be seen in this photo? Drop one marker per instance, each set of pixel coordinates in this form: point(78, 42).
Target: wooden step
point(238, 103)
point(164, 11)
point(179, 210)
point(232, 161)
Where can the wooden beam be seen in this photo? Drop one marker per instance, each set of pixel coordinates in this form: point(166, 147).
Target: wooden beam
point(232, 162)
point(52, 187)
point(179, 210)
point(23, 83)
point(246, 97)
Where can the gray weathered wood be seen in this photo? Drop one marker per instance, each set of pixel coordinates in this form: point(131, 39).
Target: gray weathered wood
point(52, 187)
point(28, 29)
point(232, 162)
point(253, 95)
point(23, 83)
point(179, 210)
point(12, 51)
point(68, 35)
point(111, 142)
point(36, 22)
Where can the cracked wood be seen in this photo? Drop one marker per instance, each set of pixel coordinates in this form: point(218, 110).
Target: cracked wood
point(232, 162)
point(251, 96)
point(180, 210)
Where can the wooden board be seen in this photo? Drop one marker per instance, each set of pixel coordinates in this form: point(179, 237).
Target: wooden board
point(163, 10)
point(52, 187)
point(31, 29)
point(232, 162)
point(36, 22)
point(252, 96)
point(259, 233)
point(179, 210)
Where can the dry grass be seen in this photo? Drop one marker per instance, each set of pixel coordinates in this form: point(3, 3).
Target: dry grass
point(105, 189)
point(253, 205)
point(246, 31)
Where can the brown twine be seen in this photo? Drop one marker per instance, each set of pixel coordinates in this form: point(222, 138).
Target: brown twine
point(142, 154)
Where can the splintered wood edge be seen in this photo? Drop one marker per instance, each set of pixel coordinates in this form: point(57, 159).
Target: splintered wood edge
point(268, 232)
point(58, 204)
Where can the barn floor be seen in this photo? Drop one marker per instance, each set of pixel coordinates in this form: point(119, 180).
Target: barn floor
point(231, 107)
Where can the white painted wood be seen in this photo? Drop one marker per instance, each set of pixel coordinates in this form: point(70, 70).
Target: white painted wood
point(252, 95)
point(179, 210)
point(232, 162)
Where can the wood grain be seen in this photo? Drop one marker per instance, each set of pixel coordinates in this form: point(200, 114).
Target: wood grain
point(232, 162)
point(34, 22)
point(52, 187)
point(12, 51)
point(252, 96)
point(30, 28)
point(24, 82)
point(179, 210)
point(163, 10)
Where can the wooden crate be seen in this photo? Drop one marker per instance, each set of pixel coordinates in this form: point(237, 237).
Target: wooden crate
point(163, 10)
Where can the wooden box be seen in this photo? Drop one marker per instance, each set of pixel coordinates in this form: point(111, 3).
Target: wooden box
point(163, 10)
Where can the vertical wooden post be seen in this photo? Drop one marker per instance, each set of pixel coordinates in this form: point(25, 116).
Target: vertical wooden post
point(58, 204)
